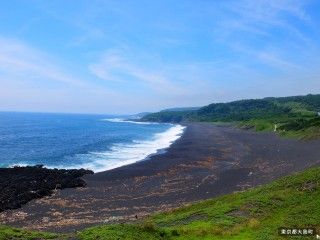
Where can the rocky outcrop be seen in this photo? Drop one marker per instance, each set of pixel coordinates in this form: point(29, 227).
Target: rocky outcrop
point(19, 185)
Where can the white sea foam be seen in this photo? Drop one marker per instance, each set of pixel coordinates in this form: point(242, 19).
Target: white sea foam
point(121, 120)
point(124, 154)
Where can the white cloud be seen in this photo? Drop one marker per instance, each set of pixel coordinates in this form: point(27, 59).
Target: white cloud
point(264, 18)
point(18, 60)
point(268, 12)
point(113, 65)
point(32, 80)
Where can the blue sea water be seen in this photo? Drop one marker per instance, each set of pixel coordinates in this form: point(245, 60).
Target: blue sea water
point(96, 142)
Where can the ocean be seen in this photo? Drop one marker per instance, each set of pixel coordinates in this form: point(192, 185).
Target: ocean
point(96, 142)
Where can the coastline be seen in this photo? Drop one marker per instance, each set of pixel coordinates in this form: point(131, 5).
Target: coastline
point(21, 183)
point(131, 153)
point(117, 153)
point(138, 150)
point(207, 161)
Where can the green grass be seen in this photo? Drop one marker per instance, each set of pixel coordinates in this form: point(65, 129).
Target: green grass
point(258, 125)
point(306, 127)
point(292, 201)
point(15, 233)
point(146, 230)
point(304, 134)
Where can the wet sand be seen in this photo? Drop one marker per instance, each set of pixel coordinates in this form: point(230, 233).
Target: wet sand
point(207, 161)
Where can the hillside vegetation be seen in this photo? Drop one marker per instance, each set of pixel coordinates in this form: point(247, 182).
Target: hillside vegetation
point(290, 116)
point(292, 201)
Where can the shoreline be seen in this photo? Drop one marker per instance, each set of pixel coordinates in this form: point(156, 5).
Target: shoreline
point(180, 128)
point(138, 150)
point(207, 161)
point(39, 181)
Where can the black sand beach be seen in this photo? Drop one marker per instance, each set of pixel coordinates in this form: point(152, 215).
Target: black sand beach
point(207, 161)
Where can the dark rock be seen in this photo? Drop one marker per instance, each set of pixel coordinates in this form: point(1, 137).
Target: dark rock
point(19, 185)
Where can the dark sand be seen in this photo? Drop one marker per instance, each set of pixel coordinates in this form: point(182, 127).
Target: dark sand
point(207, 161)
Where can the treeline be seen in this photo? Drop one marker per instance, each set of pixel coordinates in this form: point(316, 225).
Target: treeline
point(244, 110)
point(289, 113)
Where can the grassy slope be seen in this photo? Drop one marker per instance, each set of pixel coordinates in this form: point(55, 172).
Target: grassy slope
point(307, 127)
point(14, 233)
point(292, 201)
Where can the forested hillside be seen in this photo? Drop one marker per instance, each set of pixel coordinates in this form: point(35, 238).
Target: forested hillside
point(297, 115)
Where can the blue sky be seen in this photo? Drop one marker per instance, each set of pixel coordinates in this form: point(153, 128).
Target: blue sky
point(132, 56)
